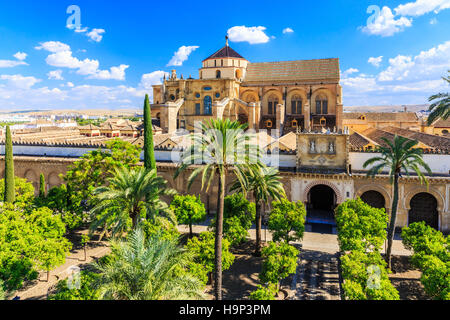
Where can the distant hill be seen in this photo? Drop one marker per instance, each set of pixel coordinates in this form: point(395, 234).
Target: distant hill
point(398, 108)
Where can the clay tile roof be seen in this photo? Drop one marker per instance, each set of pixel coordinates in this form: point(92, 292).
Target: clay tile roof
point(376, 135)
point(431, 140)
point(382, 116)
point(441, 123)
point(300, 70)
point(358, 141)
point(225, 52)
point(89, 127)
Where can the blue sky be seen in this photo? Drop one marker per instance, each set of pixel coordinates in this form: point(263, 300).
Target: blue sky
point(123, 47)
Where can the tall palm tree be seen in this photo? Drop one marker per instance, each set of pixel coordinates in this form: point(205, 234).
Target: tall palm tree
point(397, 156)
point(221, 148)
point(441, 107)
point(151, 269)
point(264, 183)
point(132, 193)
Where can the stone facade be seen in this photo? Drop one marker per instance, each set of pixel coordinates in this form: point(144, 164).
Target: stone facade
point(286, 96)
point(298, 186)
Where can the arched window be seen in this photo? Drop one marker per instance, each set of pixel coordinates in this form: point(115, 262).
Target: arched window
point(207, 105)
point(218, 74)
point(296, 104)
point(272, 106)
point(321, 104)
point(238, 74)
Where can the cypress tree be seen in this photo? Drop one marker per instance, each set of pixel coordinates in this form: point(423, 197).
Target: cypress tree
point(149, 152)
point(10, 188)
point(42, 186)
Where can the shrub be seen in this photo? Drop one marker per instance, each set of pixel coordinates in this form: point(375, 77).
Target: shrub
point(280, 260)
point(360, 227)
point(287, 217)
point(203, 249)
point(431, 256)
point(86, 290)
point(264, 293)
point(366, 277)
point(188, 210)
point(239, 214)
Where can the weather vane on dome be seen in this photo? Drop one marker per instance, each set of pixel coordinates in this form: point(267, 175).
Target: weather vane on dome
point(226, 38)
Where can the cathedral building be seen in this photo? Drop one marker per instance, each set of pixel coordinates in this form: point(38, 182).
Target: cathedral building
point(286, 95)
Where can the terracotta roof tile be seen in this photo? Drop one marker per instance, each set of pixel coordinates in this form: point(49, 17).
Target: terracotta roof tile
point(300, 70)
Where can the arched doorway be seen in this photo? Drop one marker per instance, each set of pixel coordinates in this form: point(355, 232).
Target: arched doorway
point(424, 208)
point(374, 199)
point(320, 209)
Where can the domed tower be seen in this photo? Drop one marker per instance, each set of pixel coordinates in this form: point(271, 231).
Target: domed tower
point(224, 64)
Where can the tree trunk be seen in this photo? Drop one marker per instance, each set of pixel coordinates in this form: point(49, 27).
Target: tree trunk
point(135, 218)
point(48, 275)
point(219, 235)
point(391, 229)
point(258, 229)
point(190, 230)
point(85, 252)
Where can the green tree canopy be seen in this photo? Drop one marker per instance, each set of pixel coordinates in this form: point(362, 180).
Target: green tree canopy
point(360, 227)
point(287, 217)
point(24, 191)
point(188, 210)
point(279, 261)
point(28, 242)
point(203, 248)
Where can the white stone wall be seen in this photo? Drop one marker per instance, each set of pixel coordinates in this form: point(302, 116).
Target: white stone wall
point(438, 163)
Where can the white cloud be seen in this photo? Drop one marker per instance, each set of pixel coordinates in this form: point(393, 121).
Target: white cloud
point(433, 21)
point(96, 34)
point(407, 80)
point(252, 35)
point(288, 30)
point(154, 78)
point(53, 46)
point(19, 81)
point(181, 55)
point(386, 25)
point(116, 73)
point(55, 75)
point(349, 71)
point(20, 56)
point(62, 57)
point(421, 7)
point(11, 63)
point(375, 61)
point(70, 84)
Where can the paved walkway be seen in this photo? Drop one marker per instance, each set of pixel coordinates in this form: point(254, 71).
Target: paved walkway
point(39, 288)
point(311, 241)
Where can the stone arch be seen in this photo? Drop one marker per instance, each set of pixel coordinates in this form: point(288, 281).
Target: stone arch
point(330, 97)
point(374, 199)
point(265, 101)
point(33, 178)
point(422, 189)
point(339, 198)
point(249, 96)
point(374, 187)
point(424, 208)
point(291, 94)
point(53, 180)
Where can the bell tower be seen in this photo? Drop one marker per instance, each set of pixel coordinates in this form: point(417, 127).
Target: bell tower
point(224, 64)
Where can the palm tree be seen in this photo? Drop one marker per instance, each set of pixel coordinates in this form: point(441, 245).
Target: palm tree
point(264, 182)
point(153, 269)
point(132, 193)
point(441, 107)
point(397, 156)
point(221, 148)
